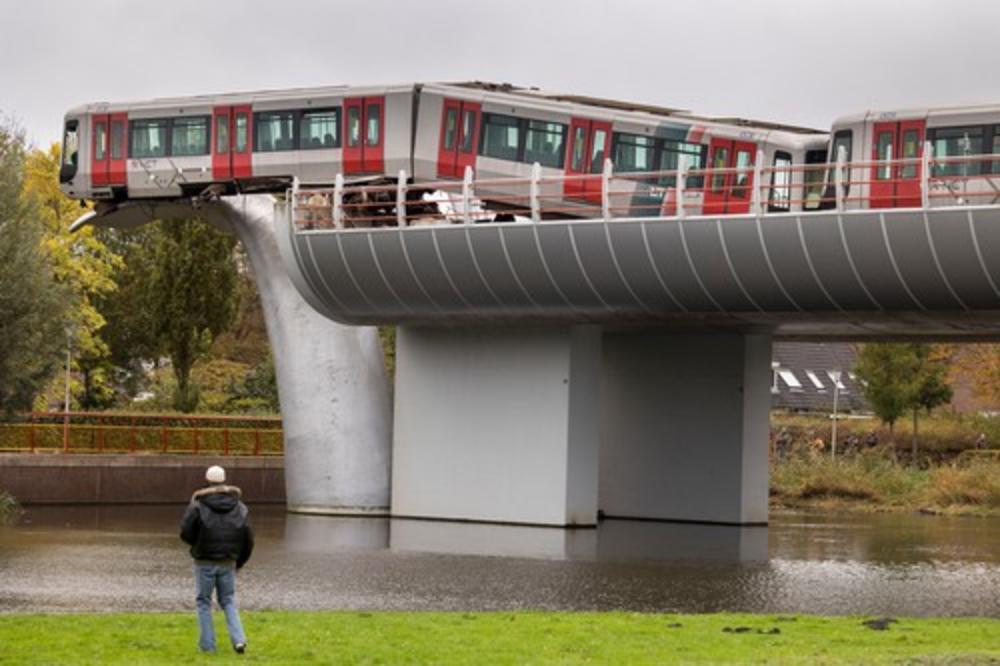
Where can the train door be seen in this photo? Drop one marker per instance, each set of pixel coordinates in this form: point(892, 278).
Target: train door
point(588, 146)
point(364, 135)
point(896, 185)
point(231, 141)
point(459, 138)
point(729, 192)
point(109, 150)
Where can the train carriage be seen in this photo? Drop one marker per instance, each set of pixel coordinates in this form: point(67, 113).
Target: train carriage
point(886, 149)
point(212, 145)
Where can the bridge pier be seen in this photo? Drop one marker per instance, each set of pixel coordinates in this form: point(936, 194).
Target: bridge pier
point(548, 426)
point(685, 427)
point(497, 425)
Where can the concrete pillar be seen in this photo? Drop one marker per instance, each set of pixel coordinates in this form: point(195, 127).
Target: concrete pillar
point(335, 399)
point(685, 427)
point(497, 425)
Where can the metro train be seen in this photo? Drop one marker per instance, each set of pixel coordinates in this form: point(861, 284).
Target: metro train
point(961, 140)
point(222, 144)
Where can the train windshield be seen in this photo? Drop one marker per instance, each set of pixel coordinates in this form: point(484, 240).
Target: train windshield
point(70, 151)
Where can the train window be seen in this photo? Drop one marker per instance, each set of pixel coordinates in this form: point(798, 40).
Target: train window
point(996, 147)
point(353, 126)
point(221, 135)
point(189, 136)
point(598, 150)
point(883, 152)
point(71, 144)
point(671, 154)
point(275, 131)
point(450, 128)
point(320, 129)
point(148, 138)
point(841, 139)
point(501, 137)
point(781, 182)
point(117, 139)
point(951, 142)
point(545, 143)
point(911, 150)
point(468, 130)
point(742, 177)
point(633, 152)
point(812, 179)
point(374, 132)
point(100, 141)
point(242, 125)
point(720, 160)
point(579, 148)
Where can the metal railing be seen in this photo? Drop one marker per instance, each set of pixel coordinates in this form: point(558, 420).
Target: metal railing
point(115, 432)
point(923, 181)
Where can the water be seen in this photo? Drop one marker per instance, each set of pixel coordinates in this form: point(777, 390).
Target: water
point(129, 558)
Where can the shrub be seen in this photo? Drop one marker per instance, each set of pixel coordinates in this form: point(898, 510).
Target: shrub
point(10, 510)
point(977, 483)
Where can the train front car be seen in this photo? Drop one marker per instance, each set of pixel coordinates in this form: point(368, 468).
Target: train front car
point(226, 144)
point(74, 177)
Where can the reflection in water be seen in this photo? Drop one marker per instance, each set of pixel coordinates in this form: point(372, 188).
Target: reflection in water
point(129, 558)
point(613, 540)
point(324, 534)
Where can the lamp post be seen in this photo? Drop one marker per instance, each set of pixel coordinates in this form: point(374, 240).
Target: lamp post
point(835, 376)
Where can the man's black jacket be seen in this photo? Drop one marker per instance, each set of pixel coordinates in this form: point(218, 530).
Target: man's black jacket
point(216, 527)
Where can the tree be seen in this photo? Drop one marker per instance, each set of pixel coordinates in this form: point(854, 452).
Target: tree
point(193, 296)
point(932, 387)
point(33, 305)
point(81, 262)
point(902, 377)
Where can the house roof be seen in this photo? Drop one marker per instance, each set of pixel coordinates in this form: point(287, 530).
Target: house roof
point(809, 364)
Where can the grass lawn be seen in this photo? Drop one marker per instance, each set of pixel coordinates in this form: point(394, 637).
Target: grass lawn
point(498, 638)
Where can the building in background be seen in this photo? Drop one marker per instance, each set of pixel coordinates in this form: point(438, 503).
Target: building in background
point(803, 377)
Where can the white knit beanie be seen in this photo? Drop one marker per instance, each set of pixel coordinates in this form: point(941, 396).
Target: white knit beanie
point(215, 474)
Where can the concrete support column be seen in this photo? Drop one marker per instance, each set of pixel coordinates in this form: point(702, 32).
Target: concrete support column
point(497, 425)
point(685, 427)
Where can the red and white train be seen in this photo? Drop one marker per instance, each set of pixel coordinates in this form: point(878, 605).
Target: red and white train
point(193, 146)
point(182, 147)
point(887, 149)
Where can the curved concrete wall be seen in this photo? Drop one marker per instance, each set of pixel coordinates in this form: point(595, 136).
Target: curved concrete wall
point(336, 406)
point(861, 273)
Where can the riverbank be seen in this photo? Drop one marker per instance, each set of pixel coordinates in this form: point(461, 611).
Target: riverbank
point(875, 471)
point(502, 638)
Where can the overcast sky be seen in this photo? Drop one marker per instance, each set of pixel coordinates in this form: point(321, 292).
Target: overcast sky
point(794, 61)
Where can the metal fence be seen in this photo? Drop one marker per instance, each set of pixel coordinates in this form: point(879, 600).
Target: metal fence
point(924, 181)
point(111, 432)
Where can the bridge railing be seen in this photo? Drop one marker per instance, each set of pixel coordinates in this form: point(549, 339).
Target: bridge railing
point(116, 432)
point(924, 181)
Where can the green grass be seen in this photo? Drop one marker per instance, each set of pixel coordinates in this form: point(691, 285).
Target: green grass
point(498, 638)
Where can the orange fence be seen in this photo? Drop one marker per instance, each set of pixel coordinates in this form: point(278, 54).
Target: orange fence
point(115, 432)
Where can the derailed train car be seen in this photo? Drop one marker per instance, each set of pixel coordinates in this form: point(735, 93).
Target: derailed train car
point(213, 145)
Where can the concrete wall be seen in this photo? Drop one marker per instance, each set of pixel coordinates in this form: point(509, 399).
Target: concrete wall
point(497, 425)
point(132, 479)
point(685, 427)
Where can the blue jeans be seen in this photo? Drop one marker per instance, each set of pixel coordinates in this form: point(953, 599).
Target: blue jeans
point(222, 579)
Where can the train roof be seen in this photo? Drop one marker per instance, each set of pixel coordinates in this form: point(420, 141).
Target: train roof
point(972, 111)
point(619, 105)
point(536, 94)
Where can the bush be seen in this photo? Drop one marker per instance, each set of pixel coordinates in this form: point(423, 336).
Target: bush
point(977, 483)
point(10, 510)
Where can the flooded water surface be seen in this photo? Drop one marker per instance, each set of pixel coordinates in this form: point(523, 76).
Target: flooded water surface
point(130, 558)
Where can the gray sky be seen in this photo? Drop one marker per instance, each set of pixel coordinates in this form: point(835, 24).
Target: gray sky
point(796, 61)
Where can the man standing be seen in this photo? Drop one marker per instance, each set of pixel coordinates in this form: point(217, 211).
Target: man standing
point(215, 525)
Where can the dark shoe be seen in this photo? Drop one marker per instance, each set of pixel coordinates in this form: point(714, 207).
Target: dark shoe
point(240, 648)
